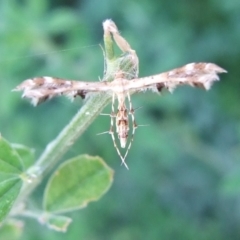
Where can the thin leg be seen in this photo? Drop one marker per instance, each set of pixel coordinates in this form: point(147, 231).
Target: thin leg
point(134, 125)
point(115, 145)
point(111, 132)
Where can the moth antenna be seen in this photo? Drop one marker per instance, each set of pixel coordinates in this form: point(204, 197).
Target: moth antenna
point(143, 125)
point(137, 108)
point(102, 133)
point(113, 115)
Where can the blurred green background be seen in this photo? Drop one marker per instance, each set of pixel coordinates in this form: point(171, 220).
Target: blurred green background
point(184, 177)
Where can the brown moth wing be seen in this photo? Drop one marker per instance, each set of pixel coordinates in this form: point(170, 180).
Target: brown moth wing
point(40, 89)
point(194, 74)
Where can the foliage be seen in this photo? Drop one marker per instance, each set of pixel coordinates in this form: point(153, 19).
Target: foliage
point(183, 181)
point(87, 179)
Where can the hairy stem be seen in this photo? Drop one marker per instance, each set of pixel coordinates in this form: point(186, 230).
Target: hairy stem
point(80, 122)
point(61, 144)
point(127, 64)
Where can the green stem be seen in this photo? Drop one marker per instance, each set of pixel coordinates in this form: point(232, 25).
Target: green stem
point(60, 145)
point(86, 115)
point(108, 44)
point(80, 122)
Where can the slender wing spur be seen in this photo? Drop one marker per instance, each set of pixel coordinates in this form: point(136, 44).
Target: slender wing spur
point(194, 74)
point(40, 89)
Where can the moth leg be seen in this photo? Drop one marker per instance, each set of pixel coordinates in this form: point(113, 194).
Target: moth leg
point(112, 115)
point(134, 125)
point(111, 132)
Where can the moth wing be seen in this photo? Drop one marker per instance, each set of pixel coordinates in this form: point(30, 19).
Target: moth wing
point(200, 75)
point(40, 89)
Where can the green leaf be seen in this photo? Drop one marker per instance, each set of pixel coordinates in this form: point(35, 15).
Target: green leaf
point(26, 154)
point(56, 222)
point(10, 162)
point(10, 181)
point(77, 182)
point(9, 190)
point(11, 230)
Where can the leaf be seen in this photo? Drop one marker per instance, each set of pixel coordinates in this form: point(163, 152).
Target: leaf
point(10, 181)
point(10, 161)
point(11, 230)
point(26, 154)
point(77, 182)
point(56, 222)
point(9, 191)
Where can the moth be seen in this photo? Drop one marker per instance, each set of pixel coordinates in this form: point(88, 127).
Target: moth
point(200, 75)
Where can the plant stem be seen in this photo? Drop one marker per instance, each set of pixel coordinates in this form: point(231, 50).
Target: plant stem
point(60, 145)
point(126, 63)
point(86, 115)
